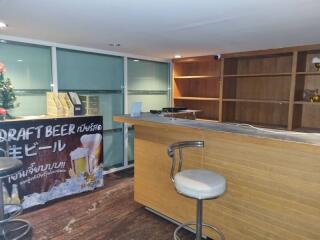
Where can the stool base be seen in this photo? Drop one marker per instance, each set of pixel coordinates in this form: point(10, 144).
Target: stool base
point(20, 230)
point(176, 237)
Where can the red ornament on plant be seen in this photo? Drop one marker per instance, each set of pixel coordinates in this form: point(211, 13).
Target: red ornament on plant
point(3, 112)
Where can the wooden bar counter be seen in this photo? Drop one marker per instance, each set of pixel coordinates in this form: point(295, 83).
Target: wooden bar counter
point(273, 177)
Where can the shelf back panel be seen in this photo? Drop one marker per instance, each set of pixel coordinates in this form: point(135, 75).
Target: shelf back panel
point(257, 113)
point(198, 87)
point(202, 68)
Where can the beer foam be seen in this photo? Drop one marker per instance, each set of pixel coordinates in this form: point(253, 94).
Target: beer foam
point(79, 153)
point(88, 139)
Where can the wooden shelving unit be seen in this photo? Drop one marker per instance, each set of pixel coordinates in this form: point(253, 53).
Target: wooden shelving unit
point(196, 77)
point(306, 115)
point(196, 85)
point(263, 88)
point(256, 89)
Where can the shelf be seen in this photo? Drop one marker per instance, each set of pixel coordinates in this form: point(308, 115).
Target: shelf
point(307, 130)
point(256, 101)
point(196, 77)
point(207, 120)
point(197, 98)
point(308, 73)
point(306, 103)
point(257, 75)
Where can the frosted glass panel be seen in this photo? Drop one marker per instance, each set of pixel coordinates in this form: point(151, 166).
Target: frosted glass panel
point(28, 107)
point(155, 102)
point(28, 66)
point(110, 104)
point(113, 149)
point(88, 71)
point(147, 75)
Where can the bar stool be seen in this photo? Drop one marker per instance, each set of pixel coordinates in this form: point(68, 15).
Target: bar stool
point(10, 228)
point(199, 184)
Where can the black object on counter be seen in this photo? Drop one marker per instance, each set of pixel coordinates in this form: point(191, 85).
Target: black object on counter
point(155, 111)
point(174, 109)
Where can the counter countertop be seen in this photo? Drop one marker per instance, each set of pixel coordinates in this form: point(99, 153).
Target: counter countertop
point(245, 129)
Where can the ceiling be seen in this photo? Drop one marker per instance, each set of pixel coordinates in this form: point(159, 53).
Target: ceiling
point(167, 27)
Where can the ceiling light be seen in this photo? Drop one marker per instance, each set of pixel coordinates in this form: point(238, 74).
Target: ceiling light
point(3, 41)
point(177, 56)
point(3, 25)
point(136, 60)
point(19, 60)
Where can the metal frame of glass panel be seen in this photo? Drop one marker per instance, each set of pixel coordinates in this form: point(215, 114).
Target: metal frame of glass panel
point(55, 83)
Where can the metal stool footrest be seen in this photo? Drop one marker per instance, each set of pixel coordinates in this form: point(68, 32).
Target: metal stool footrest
point(23, 228)
point(176, 237)
point(13, 213)
point(11, 228)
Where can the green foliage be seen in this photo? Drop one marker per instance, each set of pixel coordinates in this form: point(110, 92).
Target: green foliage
point(7, 95)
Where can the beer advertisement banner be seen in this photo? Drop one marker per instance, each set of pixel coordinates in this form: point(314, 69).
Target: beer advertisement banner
point(61, 157)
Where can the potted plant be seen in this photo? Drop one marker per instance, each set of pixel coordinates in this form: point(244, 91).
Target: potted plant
point(7, 95)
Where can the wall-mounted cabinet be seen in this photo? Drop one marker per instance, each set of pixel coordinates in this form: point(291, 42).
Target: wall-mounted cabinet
point(266, 88)
point(196, 85)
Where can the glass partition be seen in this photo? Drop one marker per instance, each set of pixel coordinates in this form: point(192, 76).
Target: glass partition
point(102, 76)
point(29, 68)
point(148, 82)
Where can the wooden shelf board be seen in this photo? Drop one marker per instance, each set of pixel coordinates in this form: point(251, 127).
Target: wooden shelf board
point(307, 130)
point(306, 103)
point(256, 101)
point(208, 120)
point(257, 75)
point(308, 73)
point(197, 98)
point(196, 77)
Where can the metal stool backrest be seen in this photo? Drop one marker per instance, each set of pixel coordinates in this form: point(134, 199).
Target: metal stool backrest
point(5, 151)
point(179, 146)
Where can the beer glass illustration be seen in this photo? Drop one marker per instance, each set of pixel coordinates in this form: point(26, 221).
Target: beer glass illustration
point(92, 143)
point(79, 160)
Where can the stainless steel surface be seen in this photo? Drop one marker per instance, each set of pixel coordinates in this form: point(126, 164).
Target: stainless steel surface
point(187, 226)
point(199, 220)
point(244, 129)
point(1, 205)
point(179, 146)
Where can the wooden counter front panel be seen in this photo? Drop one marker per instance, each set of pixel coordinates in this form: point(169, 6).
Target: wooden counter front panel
point(273, 186)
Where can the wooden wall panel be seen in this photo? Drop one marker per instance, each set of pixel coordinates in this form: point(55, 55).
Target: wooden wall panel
point(208, 87)
point(262, 113)
point(310, 116)
point(197, 68)
point(273, 186)
point(264, 88)
point(265, 64)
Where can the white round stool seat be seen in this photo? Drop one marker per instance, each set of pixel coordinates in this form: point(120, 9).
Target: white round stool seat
point(200, 183)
